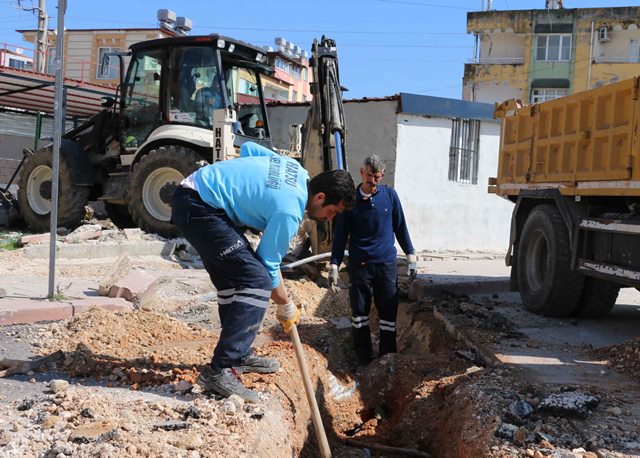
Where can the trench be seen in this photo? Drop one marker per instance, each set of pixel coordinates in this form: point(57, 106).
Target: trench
point(411, 403)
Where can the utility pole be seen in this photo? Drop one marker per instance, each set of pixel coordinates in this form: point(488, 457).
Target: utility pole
point(40, 53)
point(41, 40)
point(58, 120)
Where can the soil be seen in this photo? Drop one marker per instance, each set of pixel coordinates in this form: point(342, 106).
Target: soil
point(132, 385)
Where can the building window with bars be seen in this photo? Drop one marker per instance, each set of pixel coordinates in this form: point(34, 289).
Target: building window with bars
point(463, 152)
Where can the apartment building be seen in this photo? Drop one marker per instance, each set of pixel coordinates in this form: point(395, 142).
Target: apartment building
point(539, 55)
point(290, 81)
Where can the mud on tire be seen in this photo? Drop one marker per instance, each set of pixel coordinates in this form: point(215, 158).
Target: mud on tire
point(548, 286)
point(35, 189)
point(153, 179)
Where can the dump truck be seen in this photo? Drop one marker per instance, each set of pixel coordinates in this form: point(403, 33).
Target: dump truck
point(572, 168)
point(184, 102)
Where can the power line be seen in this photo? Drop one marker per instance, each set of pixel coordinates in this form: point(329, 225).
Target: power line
point(427, 4)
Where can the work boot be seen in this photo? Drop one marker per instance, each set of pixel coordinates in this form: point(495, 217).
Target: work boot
point(225, 382)
point(257, 364)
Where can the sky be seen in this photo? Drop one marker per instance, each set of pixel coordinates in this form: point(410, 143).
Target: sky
point(384, 46)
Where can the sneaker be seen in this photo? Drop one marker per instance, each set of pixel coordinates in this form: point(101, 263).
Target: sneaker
point(257, 364)
point(225, 382)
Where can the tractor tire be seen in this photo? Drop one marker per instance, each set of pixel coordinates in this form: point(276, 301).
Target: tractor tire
point(119, 215)
point(598, 298)
point(548, 286)
point(35, 189)
point(154, 178)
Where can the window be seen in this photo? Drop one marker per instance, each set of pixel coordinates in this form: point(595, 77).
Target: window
point(554, 48)
point(463, 152)
point(294, 96)
point(16, 63)
point(141, 107)
point(544, 94)
point(304, 73)
point(107, 66)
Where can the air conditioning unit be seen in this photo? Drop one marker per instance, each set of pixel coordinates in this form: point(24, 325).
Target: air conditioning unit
point(603, 34)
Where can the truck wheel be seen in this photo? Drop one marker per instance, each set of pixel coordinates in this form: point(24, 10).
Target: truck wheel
point(598, 298)
point(154, 178)
point(119, 215)
point(548, 286)
point(34, 193)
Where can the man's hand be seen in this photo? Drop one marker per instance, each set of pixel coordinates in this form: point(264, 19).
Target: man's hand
point(288, 315)
point(333, 276)
point(412, 267)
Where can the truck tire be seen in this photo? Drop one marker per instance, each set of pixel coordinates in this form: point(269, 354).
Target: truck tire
point(548, 286)
point(34, 193)
point(153, 179)
point(598, 298)
point(119, 215)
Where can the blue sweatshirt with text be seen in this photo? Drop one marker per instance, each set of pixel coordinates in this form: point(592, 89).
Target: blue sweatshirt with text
point(261, 190)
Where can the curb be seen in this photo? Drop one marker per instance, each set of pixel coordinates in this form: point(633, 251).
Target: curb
point(25, 311)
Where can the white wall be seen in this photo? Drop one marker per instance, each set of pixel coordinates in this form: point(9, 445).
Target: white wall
point(443, 215)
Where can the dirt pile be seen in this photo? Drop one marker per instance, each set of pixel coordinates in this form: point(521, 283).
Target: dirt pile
point(624, 358)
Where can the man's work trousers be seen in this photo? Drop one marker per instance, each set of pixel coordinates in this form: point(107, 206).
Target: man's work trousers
point(242, 281)
point(379, 280)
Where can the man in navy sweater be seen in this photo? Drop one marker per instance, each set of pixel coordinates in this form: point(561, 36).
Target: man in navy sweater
point(371, 228)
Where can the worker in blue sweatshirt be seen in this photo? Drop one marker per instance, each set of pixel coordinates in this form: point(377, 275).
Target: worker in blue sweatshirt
point(371, 228)
point(270, 193)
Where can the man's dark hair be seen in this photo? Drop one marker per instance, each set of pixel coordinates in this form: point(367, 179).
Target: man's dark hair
point(337, 185)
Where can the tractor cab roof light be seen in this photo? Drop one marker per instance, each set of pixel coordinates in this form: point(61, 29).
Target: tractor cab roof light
point(221, 43)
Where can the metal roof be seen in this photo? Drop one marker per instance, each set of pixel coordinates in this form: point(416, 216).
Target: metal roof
point(441, 107)
point(30, 91)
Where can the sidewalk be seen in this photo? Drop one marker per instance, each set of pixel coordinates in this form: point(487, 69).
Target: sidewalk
point(26, 299)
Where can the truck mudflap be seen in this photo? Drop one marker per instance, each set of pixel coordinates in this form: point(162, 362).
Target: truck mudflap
point(608, 248)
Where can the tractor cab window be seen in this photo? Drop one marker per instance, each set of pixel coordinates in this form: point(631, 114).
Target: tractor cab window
point(243, 93)
point(141, 98)
point(194, 86)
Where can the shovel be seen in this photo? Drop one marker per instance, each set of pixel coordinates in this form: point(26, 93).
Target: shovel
point(323, 444)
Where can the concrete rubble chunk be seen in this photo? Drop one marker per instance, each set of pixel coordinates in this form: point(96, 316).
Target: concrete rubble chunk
point(118, 270)
point(93, 432)
point(133, 233)
point(35, 239)
point(506, 431)
point(58, 386)
point(171, 425)
point(569, 403)
point(86, 232)
point(137, 286)
point(190, 442)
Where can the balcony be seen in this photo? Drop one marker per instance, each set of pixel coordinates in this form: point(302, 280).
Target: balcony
point(500, 61)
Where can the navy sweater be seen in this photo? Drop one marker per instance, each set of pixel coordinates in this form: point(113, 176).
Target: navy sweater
point(370, 227)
